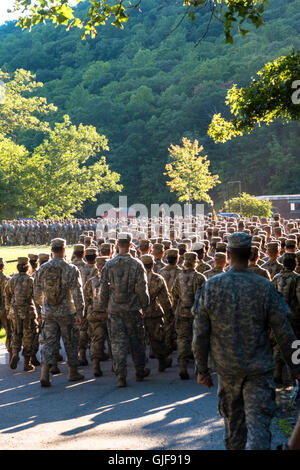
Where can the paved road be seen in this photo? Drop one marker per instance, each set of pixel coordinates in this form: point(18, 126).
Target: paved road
point(162, 412)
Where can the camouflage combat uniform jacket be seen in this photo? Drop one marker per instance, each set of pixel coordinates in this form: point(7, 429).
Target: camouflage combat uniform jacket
point(184, 291)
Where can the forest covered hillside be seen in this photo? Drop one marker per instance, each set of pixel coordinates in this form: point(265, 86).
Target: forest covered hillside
point(149, 85)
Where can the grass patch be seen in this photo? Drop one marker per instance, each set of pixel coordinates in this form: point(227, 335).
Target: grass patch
point(13, 252)
point(285, 427)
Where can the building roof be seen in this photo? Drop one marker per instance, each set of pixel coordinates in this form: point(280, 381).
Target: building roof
point(281, 197)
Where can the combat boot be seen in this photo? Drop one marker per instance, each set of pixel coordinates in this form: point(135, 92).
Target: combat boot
point(97, 370)
point(14, 360)
point(34, 360)
point(164, 363)
point(141, 374)
point(183, 373)
point(27, 365)
point(45, 381)
point(54, 369)
point(74, 374)
point(121, 381)
point(277, 377)
point(82, 358)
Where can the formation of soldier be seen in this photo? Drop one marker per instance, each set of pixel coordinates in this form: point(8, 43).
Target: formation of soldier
point(162, 283)
point(41, 232)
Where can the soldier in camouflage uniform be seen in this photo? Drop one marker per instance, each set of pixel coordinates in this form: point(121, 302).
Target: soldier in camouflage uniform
point(254, 267)
point(272, 265)
point(4, 321)
point(58, 292)
point(159, 320)
point(202, 266)
point(22, 314)
point(87, 272)
point(96, 318)
point(124, 294)
point(219, 265)
point(33, 261)
point(187, 282)
point(287, 283)
point(233, 314)
point(158, 253)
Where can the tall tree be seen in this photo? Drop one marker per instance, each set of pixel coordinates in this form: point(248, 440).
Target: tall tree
point(60, 174)
point(189, 172)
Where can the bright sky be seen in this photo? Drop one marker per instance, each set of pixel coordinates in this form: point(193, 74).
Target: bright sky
point(4, 16)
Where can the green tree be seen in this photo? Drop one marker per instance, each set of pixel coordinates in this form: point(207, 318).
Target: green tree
point(250, 206)
point(189, 172)
point(266, 99)
point(229, 12)
point(59, 175)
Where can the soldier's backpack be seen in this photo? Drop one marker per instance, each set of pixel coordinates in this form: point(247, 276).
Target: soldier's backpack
point(54, 292)
point(20, 294)
point(122, 280)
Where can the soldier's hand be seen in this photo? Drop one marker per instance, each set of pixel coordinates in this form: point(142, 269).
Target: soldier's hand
point(205, 380)
point(78, 321)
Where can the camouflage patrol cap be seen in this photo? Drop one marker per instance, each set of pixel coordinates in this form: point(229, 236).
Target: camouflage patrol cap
point(220, 257)
point(125, 236)
point(197, 246)
point(158, 247)
point(273, 247)
point(106, 246)
point(289, 256)
point(239, 240)
point(190, 257)
point(221, 246)
point(256, 244)
point(91, 251)
point(145, 244)
point(167, 244)
point(78, 248)
point(101, 260)
point(112, 241)
point(33, 257)
point(87, 239)
point(174, 252)
point(153, 240)
point(216, 240)
point(58, 243)
point(182, 246)
point(147, 259)
point(23, 260)
point(290, 243)
point(43, 257)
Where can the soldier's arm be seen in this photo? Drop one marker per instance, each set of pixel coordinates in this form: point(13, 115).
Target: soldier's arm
point(201, 334)
point(77, 292)
point(8, 296)
point(165, 301)
point(175, 294)
point(141, 287)
point(38, 295)
point(88, 294)
point(104, 289)
point(278, 312)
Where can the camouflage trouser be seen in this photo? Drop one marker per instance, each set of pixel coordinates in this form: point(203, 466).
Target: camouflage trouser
point(36, 334)
point(247, 405)
point(97, 330)
point(54, 326)
point(126, 331)
point(156, 333)
point(22, 335)
point(84, 335)
point(6, 324)
point(184, 332)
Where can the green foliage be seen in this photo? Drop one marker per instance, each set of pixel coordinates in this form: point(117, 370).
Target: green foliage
point(56, 177)
point(143, 88)
point(248, 206)
point(263, 101)
point(62, 12)
point(189, 172)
